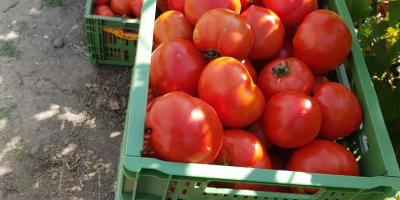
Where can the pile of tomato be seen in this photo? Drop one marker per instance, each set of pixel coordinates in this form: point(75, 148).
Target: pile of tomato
point(240, 84)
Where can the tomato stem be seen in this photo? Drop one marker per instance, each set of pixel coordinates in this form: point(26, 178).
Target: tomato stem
point(281, 70)
point(296, 26)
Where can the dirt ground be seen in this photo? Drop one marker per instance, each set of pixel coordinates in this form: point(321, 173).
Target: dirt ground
point(61, 118)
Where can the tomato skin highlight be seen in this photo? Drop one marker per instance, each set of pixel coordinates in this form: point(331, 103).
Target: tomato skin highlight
point(267, 30)
point(291, 11)
point(185, 129)
point(230, 35)
point(291, 119)
point(175, 66)
point(322, 41)
point(325, 157)
point(172, 25)
point(319, 80)
point(252, 71)
point(226, 85)
point(341, 111)
point(195, 9)
point(299, 77)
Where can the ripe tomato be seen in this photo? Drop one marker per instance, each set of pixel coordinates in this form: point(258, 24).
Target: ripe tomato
point(162, 5)
point(136, 6)
point(318, 80)
point(244, 4)
point(103, 10)
point(121, 7)
point(226, 85)
point(291, 119)
point(185, 129)
point(230, 35)
point(250, 69)
point(291, 12)
point(325, 157)
point(194, 9)
point(148, 148)
point(286, 50)
point(175, 66)
point(101, 2)
point(341, 111)
point(278, 162)
point(172, 25)
point(148, 108)
point(268, 32)
point(285, 74)
point(177, 5)
point(257, 129)
point(322, 41)
point(258, 3)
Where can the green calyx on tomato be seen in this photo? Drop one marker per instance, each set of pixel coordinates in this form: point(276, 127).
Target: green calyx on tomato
point(281, 70)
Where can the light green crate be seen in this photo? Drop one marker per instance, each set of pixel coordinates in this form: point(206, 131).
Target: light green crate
point(151, 179)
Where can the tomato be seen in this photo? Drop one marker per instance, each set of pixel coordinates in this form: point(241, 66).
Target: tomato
point(278, 162)
point(194, 9)
point(176, 66)
point(341, 111)
point(148, 148)
point(244, 4)
point(230, 35)
point(291, 119)
point(185, 129)
point(268, 32)
point(285, 74)
point(318, 80)
point(177, 5)
point(172, 25)
point(103, 10)
point(136, 6)
point(322, 41)
point(121, 7)
point(254, 76)
point(162, 5)
point(291, 12)
point(257, 129)
point(148, 108)
point(101, 2)
point(226, 85)
point(285, 51)
point(325, 157)
point(258, 3)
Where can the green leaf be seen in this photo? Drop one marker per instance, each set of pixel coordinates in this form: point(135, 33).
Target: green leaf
point(378, 64)
point(378, 47)
point(378, 28)
point(393, 13)
point(359, 9)
point(394, 50)
point(389, 99)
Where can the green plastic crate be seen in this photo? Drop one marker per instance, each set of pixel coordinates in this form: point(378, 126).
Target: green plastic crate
point(151, 179)
point(106, 47)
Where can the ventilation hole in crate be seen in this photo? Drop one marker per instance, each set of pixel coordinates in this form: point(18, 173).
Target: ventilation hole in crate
point(245, 197)
point(134, 43)
point(127, 42)
point(358, 158)
point(356, 151)
point(342, 194)
point(255, 198)
point(110, 38)
point(235, 196)
point(115, 39)
point(204, 194)
point(169, 198)
point(174, 182)
point(225, 195)
point(333, 193)
point(198, 184)
point(365, 144)
point(184, 191)
point(172, 189)
point(187, 183)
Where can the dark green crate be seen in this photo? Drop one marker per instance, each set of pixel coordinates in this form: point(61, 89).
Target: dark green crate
point(105, 47)
point(147, 179)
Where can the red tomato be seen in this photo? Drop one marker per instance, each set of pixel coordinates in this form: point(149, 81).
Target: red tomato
point(244, 4)
point(341, 111)
point(278, 162)
point(318, 80)
point(148, 148)
point(148, 108)
point(257, 129)
point(268, 32)
point(291, 12)
point(101, 2)
point(177, 5)
point(185, 129)
point(172, 25)
point(322, 41)
point(136, 6)
point(230, 35)
point(103, 10)
point(285, 74)
point(324, 157)
point(250, 69)
point(194, 9)
point(258, 3)
point(175, 66)
point(286, 50)
point(226, 85)
point(291, 119)
point(162, 5)
point(121, 7)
